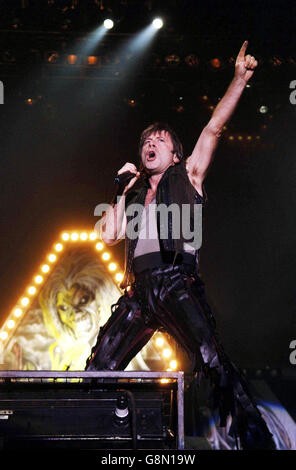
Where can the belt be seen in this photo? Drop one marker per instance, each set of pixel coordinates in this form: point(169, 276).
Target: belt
point(157, 259)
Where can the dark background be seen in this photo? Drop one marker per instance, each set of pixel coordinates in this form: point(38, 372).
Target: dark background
point(60, 153)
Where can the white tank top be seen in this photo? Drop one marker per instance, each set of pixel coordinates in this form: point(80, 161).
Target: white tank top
point(148, 237)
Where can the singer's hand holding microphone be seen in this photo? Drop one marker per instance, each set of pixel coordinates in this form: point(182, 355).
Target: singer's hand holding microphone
point(126, 177)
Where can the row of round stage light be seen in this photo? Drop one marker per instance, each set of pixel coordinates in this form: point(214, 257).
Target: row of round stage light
point(33, 288)
point(157, 23)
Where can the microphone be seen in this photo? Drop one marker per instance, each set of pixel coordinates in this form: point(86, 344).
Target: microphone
point(121, 181)
point(124, 178)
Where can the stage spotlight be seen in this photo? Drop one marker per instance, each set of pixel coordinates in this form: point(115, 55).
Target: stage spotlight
point(108, 23)
point(263, 109)
point(172, 59)
point(72, 59)
point(192, 60)
point(92, 60)
point(215, 63)
point(157, 23)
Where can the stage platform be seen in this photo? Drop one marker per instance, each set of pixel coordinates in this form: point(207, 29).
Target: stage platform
point(96, 410)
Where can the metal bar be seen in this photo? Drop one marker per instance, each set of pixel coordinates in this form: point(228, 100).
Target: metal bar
point(180, 399)
point(85, 374)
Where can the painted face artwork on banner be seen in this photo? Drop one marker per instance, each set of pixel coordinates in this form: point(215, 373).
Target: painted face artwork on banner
point(61, 325)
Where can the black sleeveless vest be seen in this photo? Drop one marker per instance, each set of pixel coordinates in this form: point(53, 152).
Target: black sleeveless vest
point(174, 187)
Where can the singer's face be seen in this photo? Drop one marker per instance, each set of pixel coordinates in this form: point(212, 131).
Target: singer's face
point(157, 153)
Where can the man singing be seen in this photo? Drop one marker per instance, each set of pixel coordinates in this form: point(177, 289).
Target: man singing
point(162, 271)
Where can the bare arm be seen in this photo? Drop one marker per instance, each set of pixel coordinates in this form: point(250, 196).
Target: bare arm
point(112, 225)
point(200, 159)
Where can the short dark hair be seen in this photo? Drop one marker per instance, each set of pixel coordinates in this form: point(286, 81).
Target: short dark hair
point(158, 127)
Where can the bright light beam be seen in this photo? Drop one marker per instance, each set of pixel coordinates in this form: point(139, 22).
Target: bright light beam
point(142, 39)
point(91, 41)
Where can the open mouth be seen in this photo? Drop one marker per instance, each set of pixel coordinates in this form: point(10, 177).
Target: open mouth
point(151, 156)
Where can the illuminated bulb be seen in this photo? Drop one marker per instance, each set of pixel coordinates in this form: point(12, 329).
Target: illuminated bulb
point(166, 353)
point(18, 312)
point(59, 247)
point(263, 109)
point(159, 341)
point(108, 24)
point(65, 236)
point(25, 301)
point(118, 277)
point(231, 137)
point(52, 258)
point(93, 236)
point(72, 59)
point(10, 324)
point(92, 60)
point(45, 268)
point(83, 236)
point(38, 279)
point(164, 381)
point(32, 290)
point(249, 137)
point(99, 246)
point(157, 23)
point(74, 236)
point(3, 335)
point(173, 364)
point(112, 266)
point(106, 256)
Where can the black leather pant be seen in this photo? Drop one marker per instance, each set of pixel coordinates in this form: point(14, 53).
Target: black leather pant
point(168, 297)
point(173, 298)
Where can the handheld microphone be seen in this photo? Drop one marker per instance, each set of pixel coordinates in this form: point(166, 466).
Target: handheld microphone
point(124, 178)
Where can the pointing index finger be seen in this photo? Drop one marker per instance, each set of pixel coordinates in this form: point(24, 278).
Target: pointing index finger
point(243, 49)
